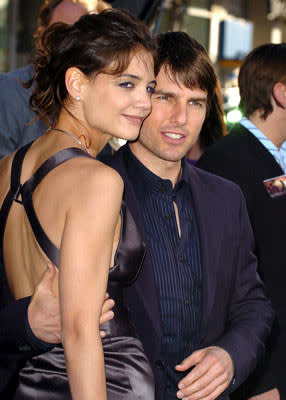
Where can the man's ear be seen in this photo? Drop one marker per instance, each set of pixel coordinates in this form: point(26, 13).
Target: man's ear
point(279, 93)
point(75, 81)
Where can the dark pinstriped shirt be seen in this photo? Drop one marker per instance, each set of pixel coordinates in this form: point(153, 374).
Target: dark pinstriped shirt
point(176, 260)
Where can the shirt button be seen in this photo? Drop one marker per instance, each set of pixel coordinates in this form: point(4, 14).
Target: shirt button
point(187, 302)
point(159, 364)
point(24, 347)
point(164, 188)
point(181, 258)
point(168, 216)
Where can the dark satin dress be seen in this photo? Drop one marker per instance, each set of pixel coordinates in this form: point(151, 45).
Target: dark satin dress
point(128, 372)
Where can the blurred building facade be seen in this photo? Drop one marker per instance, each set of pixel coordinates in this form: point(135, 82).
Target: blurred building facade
point(18, 20)
point(227, 28)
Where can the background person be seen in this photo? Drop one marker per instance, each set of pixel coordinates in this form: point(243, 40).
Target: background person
point(94, 81)
point(255, 150)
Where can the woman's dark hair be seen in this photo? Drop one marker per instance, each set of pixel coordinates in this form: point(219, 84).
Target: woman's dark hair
point(96, 43)
point(262, 68)
point(187, 61)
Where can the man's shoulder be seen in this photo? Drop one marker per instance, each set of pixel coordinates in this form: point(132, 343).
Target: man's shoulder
point(118, 161)
point(212, 182)
point(214, 193)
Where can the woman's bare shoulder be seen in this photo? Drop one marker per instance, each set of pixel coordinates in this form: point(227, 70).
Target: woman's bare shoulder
point(95, 179)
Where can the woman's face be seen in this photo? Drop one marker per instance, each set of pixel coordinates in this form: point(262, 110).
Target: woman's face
point(117, 105)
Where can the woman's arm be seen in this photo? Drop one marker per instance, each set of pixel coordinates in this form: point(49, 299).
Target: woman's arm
point(84, 263)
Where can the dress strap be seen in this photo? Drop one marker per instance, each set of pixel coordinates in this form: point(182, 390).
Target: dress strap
point(28, 188)
point(17, 167)
point(14, 188)
point(26, 191)
point(54, 161)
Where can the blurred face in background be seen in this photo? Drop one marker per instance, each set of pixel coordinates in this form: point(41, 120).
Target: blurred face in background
point(69, 11)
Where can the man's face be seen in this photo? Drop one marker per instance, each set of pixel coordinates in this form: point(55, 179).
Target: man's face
point(174, 124)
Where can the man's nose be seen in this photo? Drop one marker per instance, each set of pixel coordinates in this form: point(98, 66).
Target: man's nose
point(180, 114)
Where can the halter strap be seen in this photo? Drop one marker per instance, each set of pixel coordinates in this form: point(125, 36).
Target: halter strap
point(26, 191)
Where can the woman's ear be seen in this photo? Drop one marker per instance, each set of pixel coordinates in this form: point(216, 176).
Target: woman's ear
point(75, 80)
point(279, 93)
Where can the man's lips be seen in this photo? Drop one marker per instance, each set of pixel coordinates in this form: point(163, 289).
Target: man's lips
point(173, 136)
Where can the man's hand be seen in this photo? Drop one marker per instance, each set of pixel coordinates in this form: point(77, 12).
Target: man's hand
point(106, 313)
point(44, 310)
point(211, 375)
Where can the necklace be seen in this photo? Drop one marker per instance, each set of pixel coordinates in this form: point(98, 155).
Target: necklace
point(74, 137)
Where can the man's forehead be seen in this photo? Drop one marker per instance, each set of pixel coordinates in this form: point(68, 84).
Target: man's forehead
point(168, 82)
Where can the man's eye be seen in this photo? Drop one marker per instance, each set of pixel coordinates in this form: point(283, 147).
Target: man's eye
point(127, 85)
point(196, 104)
point(163, 97)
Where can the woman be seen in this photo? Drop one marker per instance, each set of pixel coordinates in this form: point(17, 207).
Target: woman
point(94, 81)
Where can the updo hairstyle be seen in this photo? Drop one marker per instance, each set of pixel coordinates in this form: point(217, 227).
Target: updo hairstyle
point(96, 43)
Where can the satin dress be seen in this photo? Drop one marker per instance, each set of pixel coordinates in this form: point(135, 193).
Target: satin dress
point(128, 372)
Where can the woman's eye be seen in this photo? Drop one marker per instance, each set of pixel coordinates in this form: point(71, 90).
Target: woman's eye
point(127, 85)
point(150, 89)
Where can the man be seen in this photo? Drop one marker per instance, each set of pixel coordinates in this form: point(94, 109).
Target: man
point(16, 116)
point(255, 151)
point(198, 304)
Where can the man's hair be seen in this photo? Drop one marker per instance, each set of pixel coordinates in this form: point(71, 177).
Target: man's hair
point(186, 61)
point(262, 68)
point(48, 7)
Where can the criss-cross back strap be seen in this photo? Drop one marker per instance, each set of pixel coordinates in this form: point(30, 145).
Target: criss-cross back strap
point(14, 189)
point(28, 188)
point(23, 194)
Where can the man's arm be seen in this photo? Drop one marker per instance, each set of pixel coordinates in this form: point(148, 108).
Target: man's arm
point(31, 326)
point(18, 343)
point(250, 315)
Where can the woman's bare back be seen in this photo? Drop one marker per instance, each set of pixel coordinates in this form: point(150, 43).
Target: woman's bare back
point(24, 259)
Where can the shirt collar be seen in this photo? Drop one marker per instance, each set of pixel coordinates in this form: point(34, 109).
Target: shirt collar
point(278, 154)
point(146, 181)
point(259, 135)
